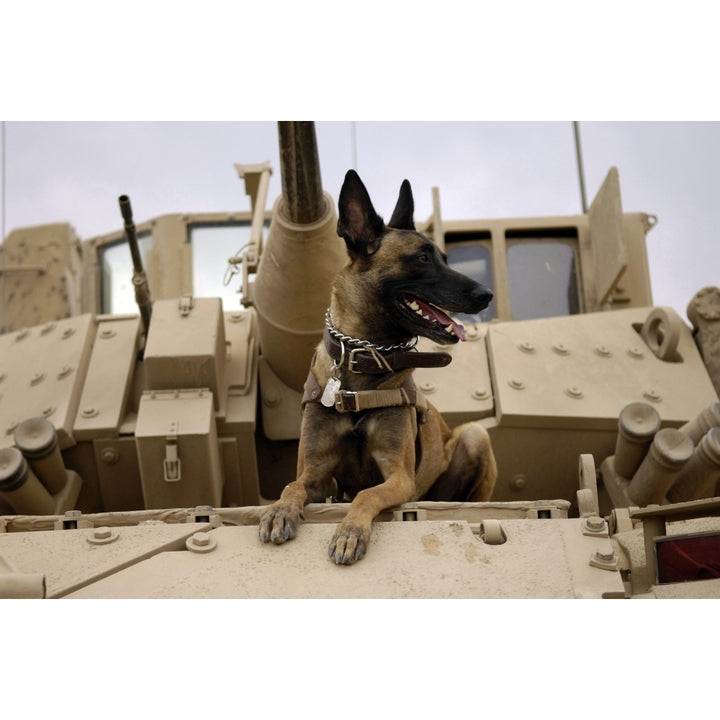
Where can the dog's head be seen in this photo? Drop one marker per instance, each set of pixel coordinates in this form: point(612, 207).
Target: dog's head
point(398, 274)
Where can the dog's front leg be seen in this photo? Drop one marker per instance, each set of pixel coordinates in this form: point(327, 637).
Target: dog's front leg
point(318, 454)
point(395, 459)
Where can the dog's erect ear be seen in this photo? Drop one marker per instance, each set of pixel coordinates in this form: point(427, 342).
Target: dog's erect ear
point(358, 223)
point(402, 217)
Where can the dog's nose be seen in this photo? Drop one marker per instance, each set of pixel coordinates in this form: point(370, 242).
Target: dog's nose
point(481, 297)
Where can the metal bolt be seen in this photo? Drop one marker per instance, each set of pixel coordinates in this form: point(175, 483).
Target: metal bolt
point(201, 542)
point(68, 332)
point(102, 536)
point(37, 378)
point(201, 538)
point(427, 387)
point(481, 394)
point(561, 349)
point(652, 394)
point(636, 353)
point(107, 333)
point(89, 412)
point(603, 351)
point(595, 523)
point(604, 556)
point(516, 383)
point(518, 483)
point(526, 347)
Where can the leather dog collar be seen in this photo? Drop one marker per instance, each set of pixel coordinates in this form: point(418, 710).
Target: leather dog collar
point(367, 359)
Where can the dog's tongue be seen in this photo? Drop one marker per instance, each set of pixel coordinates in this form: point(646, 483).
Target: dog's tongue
point(439, 316)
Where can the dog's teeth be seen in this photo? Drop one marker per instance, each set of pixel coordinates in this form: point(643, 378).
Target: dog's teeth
point(413, 306)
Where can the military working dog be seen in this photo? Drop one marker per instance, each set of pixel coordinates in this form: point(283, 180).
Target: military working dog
point(366, 433)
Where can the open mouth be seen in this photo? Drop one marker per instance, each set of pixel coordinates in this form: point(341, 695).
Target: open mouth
point(434, 320)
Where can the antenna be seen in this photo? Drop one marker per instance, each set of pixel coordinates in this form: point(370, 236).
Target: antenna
point(581, 173)
point(2, 226)
point(353, 143)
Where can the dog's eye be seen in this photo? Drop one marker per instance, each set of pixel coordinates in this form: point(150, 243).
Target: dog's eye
point(423, 258)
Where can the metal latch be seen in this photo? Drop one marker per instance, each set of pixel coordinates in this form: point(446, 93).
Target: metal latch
point(171, 463)
point(185, 304)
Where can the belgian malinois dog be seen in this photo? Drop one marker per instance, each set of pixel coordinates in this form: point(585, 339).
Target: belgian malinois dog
point(366, 434)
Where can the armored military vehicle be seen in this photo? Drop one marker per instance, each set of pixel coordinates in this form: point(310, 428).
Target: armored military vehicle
point(145, 423)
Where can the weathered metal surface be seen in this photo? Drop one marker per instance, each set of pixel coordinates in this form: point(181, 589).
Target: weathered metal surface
point(430, 559)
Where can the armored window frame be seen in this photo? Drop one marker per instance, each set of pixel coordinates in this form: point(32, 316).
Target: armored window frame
point(532, 291)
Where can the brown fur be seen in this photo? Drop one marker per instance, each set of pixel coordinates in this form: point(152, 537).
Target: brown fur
point(372, 456)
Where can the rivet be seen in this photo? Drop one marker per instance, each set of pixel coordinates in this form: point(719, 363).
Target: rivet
point(636, 353)
point(526, 347)
point(48, 411)
point(110, 456)
point(37, 378)
point(603, 351)
point(107, 333)
point(472, 332)
point(428, 387)
point(518, 483)
point(64, 371)
point(480, 394)
point(89, 412)
point(516, 383)
point(237, 317)
point(652, 394)
point(574, 392)
point(22, 334)
point(561, 349)
point(271, 400)
point(68, 332)
point(48, 327)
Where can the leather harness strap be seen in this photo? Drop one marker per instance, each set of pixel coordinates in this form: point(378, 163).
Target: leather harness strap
point(360, 400)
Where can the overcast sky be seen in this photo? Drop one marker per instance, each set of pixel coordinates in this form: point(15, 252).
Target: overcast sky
point(74, 171)
point(516, 60)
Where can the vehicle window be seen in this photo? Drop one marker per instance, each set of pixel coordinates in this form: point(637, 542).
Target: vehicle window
point(542, 278)
point(212, 246)
point(117, 294)
point(473, 259)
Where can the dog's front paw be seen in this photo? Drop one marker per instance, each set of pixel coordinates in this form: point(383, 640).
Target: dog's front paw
point(279, 524)
point(348, 544)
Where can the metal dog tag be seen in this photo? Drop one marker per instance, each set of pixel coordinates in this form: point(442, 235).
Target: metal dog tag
point(328, 396)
